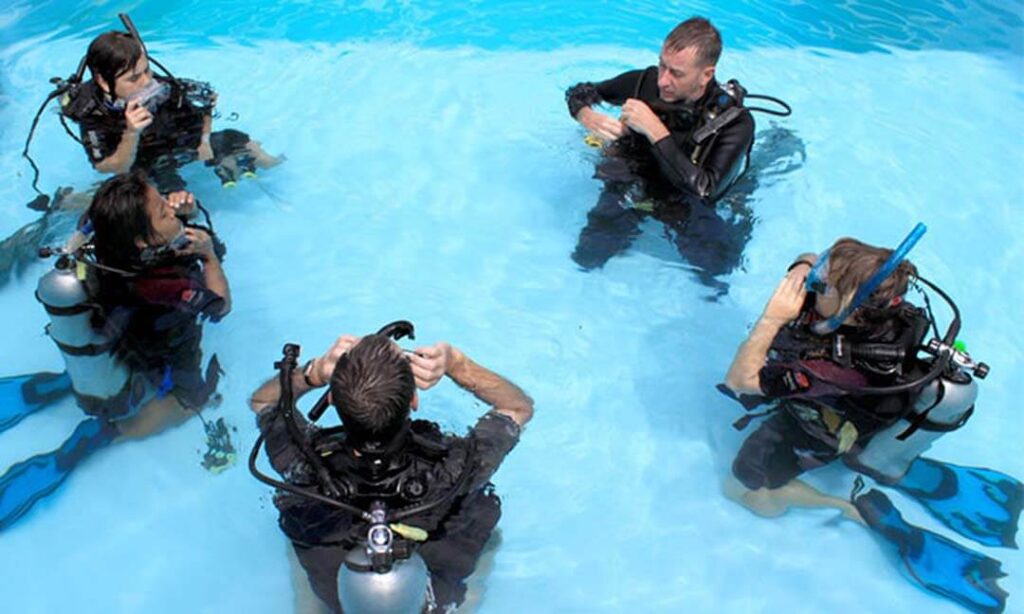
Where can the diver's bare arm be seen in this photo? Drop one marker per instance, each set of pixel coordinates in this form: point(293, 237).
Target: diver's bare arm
point(782, 308)
point(502, 395)
point(743, 375)
point(267, 395)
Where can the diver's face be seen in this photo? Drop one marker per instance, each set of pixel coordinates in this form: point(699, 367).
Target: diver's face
point(680, 76)
point(827, 303)
point(134, 80)
point(164, 224)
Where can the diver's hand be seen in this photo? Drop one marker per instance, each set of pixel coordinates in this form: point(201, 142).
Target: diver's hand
point(182, 202)
point(603, 126)
point(785, 304)
point(638, 116)
point(430, 363)
point(199, 243)
point(137, 117)
point(323, 366)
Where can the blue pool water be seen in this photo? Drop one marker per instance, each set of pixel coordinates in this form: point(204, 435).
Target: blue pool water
point(433, 174)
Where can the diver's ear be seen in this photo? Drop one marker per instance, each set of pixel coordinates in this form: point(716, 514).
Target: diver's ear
point(707, 74)
point(415, 403)
point(100, 81)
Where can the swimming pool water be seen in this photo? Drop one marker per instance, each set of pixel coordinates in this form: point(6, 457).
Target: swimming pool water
point(435, 175)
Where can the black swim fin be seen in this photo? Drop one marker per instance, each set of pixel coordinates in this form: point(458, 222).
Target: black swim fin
point(20, 395)
point(32, 479)
point(936, 563)
point(980, 504)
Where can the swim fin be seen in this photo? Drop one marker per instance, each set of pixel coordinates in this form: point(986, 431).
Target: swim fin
point(980, 504)
point(20, 395)
point(32, 479)
point(936, 563)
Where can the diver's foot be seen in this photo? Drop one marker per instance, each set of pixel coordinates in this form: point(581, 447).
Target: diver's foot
point(261, 158)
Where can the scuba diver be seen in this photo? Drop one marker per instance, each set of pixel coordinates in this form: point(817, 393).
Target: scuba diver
point(124, 299)
point(129, 118)
point(385, 513)
point(681, 143)
point(839, 355)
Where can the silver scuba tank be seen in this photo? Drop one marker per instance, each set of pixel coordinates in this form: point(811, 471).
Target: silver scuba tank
point(93, 370)
point(887, 458)
point(400, 590)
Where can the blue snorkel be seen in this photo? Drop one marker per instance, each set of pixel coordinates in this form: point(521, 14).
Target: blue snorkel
point(814, 284)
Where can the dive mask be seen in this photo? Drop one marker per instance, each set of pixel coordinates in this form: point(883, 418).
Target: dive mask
point(151, 96)
point(816, 280)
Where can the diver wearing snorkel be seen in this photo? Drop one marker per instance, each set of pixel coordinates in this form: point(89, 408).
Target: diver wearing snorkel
point(681, 142)
point(130, 118)
point(840, 357)
point(385, 513)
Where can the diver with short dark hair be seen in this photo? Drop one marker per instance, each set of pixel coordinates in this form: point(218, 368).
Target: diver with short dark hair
point(125, 301)
point(681, 142)
point(130, 118)
point(840, 358)
point(346, 488)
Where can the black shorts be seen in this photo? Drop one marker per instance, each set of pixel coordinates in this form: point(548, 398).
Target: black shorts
point(778, 451)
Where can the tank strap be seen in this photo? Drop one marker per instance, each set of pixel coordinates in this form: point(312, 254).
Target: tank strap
point(93, 349)
point(919, 419)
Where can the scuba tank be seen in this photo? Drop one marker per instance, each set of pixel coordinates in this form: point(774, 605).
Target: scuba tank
point(103, 386)
point(384, 575)
point(944, 405)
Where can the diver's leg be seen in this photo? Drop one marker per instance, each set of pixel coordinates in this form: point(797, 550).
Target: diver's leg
point(156, 416)
point(453, 558)
point(306, 601)
point(768, 464)
point(611, 227)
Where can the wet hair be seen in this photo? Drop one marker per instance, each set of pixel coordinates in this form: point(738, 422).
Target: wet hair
point(699, 33)
point(851, 263)
point(112, 54)
point(118, 214)
point(372, 388)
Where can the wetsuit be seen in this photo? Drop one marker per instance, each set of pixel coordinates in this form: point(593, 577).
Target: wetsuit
point(633, 169)
point(167, 144)
point(156, 318)
point(458, 529)
point(804, 432)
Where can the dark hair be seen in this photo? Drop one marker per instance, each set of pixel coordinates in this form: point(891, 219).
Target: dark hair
point(372, 388)
point(852, 262)
point(696, 32)
point(118, 215)
point(111, 54)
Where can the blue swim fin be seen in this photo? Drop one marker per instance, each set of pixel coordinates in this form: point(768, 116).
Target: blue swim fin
point(20, 395)
point(34, 478)
point(936, 563)
point(980, 504)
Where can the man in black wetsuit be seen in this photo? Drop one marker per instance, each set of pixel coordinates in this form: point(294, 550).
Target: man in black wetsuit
point(384, 455)
point(131, 119)
point(658, 158)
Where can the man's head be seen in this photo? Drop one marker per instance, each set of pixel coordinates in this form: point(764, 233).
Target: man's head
point(373, 389)
point(127, 215)
point(118, 64)
point(851, 264)
point(688, 59)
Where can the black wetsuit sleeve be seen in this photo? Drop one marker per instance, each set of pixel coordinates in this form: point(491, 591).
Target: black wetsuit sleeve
point(99, 138)
point(613, 91)
point(728, 149)
point(283, 453)
point(494, 436)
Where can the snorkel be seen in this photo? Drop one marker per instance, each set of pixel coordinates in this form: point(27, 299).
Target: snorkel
point(816, 282)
